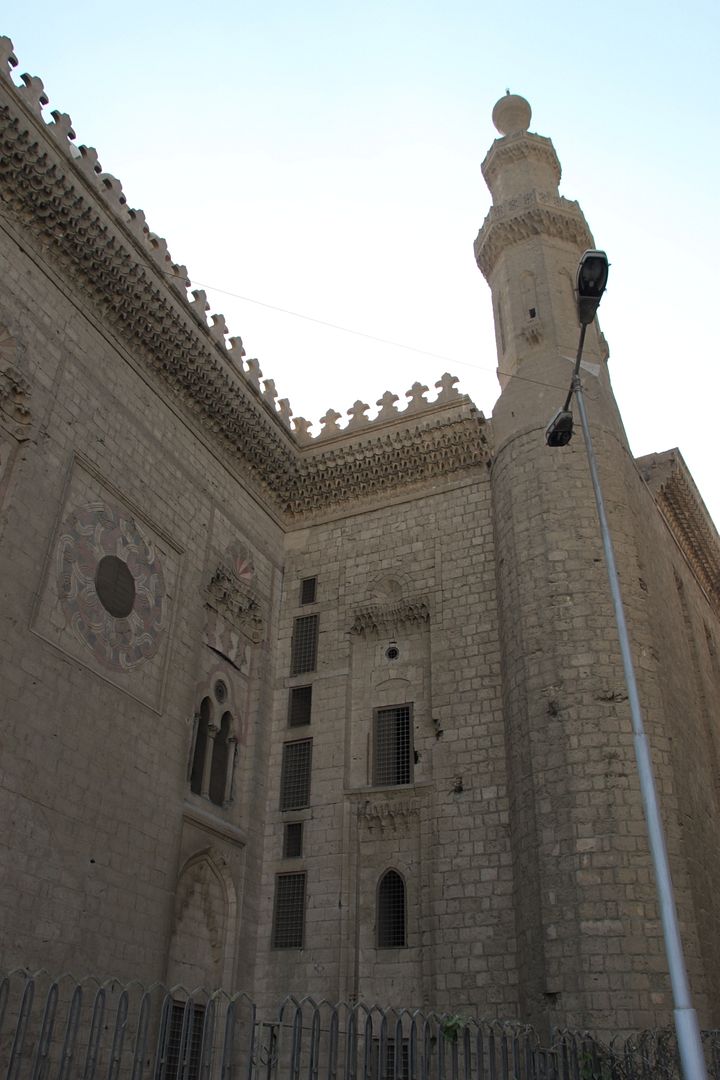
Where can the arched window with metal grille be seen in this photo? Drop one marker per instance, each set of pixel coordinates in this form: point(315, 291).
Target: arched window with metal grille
point(391, 931)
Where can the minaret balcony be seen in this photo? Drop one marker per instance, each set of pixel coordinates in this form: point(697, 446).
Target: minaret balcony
point(534, 214)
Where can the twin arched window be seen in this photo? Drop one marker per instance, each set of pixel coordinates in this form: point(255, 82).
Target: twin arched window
point(391, 921)
point(214, 755)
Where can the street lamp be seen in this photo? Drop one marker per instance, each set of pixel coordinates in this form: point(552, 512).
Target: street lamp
point(591, 281)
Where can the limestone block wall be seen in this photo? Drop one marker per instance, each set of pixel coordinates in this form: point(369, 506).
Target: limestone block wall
point(98, 717)
point(407, 617)
point(680, 662)
point(589, 936)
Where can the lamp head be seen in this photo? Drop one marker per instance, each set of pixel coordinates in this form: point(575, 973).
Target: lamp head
point(592, 275)
point(560, 429)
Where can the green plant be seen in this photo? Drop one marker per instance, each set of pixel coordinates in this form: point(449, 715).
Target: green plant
point(451, 1025)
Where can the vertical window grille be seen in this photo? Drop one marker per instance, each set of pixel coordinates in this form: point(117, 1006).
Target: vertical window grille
point(175, 1051)
point(289, 911)
point(295, 774)
point(201, 740)
point(392, 746)
point(308, 590)
point(384, 1068)
point(391, 911)
point(304, 645)
point(300, 706)
point(293, 840)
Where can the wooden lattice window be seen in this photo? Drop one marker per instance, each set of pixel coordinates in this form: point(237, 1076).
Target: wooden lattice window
point(289, 912)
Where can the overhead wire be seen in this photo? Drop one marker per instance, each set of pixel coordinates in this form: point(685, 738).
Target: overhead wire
point(344, 329)
point(364, 334)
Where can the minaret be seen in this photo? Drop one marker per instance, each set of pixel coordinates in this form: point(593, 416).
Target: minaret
point(589, 953)
point(528, 250)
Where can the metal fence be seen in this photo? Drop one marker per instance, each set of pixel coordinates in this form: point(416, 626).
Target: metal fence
point(63, 1029)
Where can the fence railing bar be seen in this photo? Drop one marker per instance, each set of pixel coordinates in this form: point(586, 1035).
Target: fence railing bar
point(93, 1047)
point(141, 1038)
point(228, 1040)
point(71, 1031)
point(333, 1046)
point(133, 1033)
point(18, 1044)
point(207, 1041)
point(118, 1037)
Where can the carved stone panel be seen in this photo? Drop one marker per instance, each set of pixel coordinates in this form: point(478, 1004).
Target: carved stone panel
point(109, 577)
point(15, 414)
point(235, 618)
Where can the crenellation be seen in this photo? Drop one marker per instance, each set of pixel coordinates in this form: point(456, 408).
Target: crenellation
point(62, 130)
point(32, 93)
point(8, 59)
point(219, 330)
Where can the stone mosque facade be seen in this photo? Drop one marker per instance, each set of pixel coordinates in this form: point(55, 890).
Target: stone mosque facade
point(339, 715)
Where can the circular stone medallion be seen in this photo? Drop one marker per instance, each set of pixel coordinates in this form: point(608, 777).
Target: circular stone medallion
point(111, 586)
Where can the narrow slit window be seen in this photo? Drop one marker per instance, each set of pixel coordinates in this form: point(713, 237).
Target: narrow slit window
point(293, 840)
point(300, 706)
point(289, 912)
point(295, 774)
point(304, 645)
point(308, 590)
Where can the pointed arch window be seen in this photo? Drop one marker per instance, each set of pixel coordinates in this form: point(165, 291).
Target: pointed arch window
point(213, 759)
point(201, 741)
point(391, 905)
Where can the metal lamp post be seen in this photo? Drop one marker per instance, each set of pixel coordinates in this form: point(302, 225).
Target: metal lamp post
point(591, 281)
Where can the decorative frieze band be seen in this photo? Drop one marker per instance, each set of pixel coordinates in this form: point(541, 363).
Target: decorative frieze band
point(388, 814)
point(520, 147)
point(521, 219)
point(377, 617)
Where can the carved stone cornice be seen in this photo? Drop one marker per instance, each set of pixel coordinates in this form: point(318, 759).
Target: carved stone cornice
point(681, 506)
point(38, 191)
point(537, 213)
point(78, 216)
point(522, 146)
point(379, 616)
point(452, 442)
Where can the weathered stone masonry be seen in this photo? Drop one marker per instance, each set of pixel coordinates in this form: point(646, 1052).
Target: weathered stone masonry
point(195, 745)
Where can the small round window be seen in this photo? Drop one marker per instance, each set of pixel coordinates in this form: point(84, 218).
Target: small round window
point(392, 652)
point(115, 586)
point(220, 691)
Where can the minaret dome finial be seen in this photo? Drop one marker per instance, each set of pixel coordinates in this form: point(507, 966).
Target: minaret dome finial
point(511, 114)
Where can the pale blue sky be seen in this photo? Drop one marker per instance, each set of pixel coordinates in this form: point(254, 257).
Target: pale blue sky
point(325, 158)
